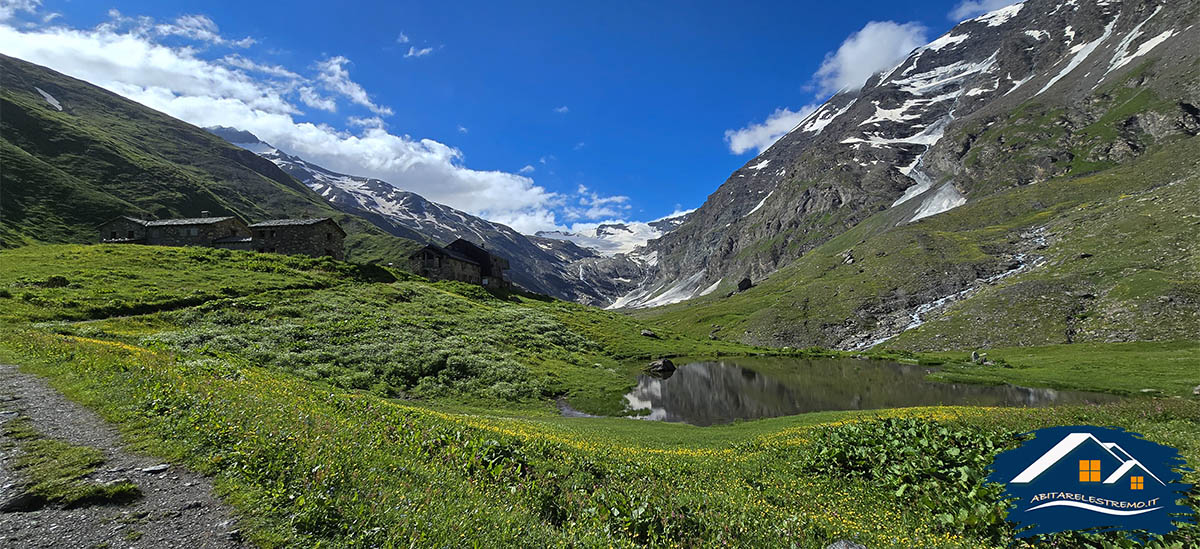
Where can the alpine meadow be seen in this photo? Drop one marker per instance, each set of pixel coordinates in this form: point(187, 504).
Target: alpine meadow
point(244, 302)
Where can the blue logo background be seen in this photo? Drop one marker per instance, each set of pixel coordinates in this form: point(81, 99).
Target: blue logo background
point(1084, 477)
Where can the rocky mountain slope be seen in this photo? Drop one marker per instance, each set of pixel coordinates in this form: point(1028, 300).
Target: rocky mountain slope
point(1027, 178)
point(1037, 90)
point(74, 156)
point(556, 267)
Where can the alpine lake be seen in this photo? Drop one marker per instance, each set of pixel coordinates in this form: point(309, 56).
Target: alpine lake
point(713, 392)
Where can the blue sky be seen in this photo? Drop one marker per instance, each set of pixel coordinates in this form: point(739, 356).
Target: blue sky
point(538, 114)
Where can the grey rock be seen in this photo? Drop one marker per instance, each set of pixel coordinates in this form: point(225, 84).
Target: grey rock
point(157, 468)
point(845, 544)
point(662, 366)
point(745, 284)
point(649, 333)
point(1196, 391)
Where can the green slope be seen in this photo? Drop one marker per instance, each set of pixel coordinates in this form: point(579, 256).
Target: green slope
point(1120, 262)
point(67, 171)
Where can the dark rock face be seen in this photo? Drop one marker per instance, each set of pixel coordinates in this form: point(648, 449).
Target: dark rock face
point(744, 284)
point(1002, 100)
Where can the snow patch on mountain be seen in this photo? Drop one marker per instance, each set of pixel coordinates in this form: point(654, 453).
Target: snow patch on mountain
point(1082, 52)
point(49, 98)
point(1000, 16)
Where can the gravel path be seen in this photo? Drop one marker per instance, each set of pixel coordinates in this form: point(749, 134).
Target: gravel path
point(178, 508)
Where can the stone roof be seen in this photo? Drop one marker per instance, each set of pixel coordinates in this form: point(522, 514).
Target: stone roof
point(446, 252)
point(289, 222)
point(187, 221)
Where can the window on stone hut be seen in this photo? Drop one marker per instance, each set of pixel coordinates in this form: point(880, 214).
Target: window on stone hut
point(328, 237)
point(113, 235)
point(129, 234)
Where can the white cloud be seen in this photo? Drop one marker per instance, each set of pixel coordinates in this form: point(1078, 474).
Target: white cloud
point(413, 51)
point(592, 205)
point(361, 122)
point(200, 27)
point(527, 169)
point(310, 97)
point(254, 66)
point(234, 92)
point(463, 129)
point(9, 8)
point(334, 76)
point(877, 46)
point(579, 146)
point(763, 135)
point(968, 9)
point(402, 39)
point(562, 110)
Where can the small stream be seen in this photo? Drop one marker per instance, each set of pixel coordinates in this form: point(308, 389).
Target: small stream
point(716, 392)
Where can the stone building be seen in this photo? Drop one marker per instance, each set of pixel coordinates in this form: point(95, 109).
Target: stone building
point(492, 267)
point(436, 263)
point(462, 261)
point(313, 237)
point(193, 231)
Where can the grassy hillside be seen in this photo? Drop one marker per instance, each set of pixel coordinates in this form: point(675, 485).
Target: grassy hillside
point(1111, 257)
point(351, 405)
point(101, 156)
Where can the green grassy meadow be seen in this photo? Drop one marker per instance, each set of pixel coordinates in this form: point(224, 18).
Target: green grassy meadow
point(343, 405)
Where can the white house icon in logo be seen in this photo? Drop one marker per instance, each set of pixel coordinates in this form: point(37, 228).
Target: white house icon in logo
point(1081, 442)
point(1095, 457)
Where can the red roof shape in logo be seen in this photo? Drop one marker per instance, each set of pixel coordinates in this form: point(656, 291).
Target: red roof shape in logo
point(1069, 444)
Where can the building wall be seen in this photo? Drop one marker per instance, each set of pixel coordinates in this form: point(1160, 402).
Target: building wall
point(316, 240)
point(195, 235)
point(442, 267)
point(122, 230)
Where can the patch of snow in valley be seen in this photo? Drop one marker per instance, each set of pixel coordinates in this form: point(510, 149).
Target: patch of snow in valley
point(49, 98)
point(680, 291)
point(1038, 34)
point(712, 288)
point(1082, 52)
point(924, 183)
point(761, 165)
point(945, 199)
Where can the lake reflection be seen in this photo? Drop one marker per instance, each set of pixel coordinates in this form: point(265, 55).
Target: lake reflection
point(708, 393)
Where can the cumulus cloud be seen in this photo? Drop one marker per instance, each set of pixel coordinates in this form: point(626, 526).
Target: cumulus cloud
point(562, 110)
point(592, 205)
point(10, 8)
point(527, 169)
point(463, 129)
point(413, 51)
point(402, 39)
point(877, 46)
point(760, 136)
point(968, 9)
point(128, 58)
point(334, 76)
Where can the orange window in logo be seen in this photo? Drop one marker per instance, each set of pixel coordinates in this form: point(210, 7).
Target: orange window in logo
point(1089, 470)
point(1136, 483)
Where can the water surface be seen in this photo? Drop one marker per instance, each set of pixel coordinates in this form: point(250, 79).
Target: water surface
point(714, 392)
